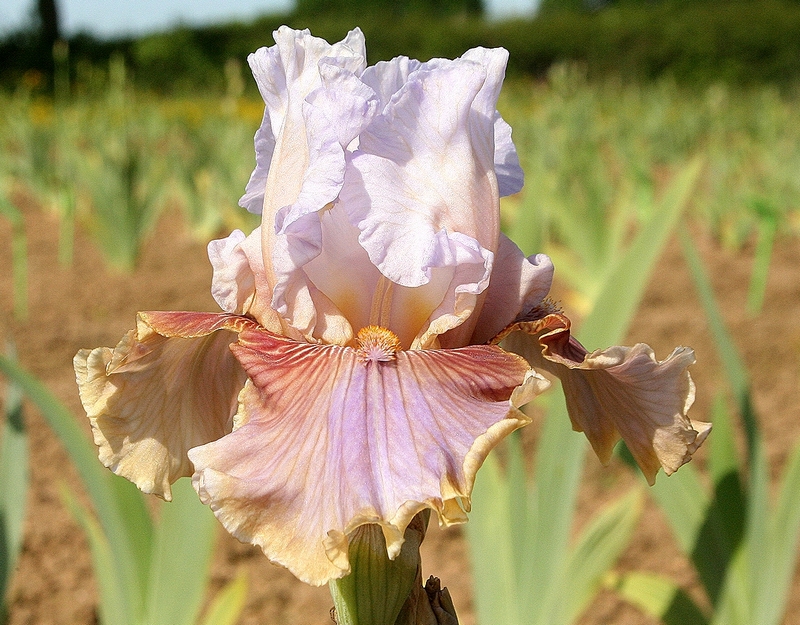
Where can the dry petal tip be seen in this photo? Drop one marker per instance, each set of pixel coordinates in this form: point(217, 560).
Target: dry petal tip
point(619, 392)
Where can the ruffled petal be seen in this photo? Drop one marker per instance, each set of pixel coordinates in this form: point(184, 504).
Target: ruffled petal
point(335, 114)
point(619, 392)
point(168, 386)
point(232, 281)
point(506, 161)
point(239, 283)
point(328, 439)
point(298, 158)
point(387, 77)
point(469, 266)
point(517, 285)
point(426, 165)
point(285, 74)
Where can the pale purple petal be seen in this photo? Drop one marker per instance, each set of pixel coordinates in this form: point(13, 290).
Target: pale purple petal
point(386, 78)
point(334, 115)
point(506, 161)
point(470, 266)
point(517, 285)
point(328, 439)
point(239, 283)
point(232, 281)
point(510, 178)
point(418, 171)
point(286, 73)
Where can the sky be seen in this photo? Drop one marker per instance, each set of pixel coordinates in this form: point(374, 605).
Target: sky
point(108, 18)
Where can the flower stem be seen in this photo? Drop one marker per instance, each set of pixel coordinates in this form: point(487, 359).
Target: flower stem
point(377, 587)
point(380, 591)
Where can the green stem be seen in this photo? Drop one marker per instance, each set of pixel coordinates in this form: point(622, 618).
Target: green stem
point(380, 591)
point(376, 588)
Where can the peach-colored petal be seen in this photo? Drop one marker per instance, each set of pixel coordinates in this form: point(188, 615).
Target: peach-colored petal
point(169, 385)
point(618, 392)
point(329, 438)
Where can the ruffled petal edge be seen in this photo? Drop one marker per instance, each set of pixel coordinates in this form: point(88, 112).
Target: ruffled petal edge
point(619, 392)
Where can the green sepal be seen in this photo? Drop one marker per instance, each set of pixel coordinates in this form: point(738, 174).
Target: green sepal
point(377, 588)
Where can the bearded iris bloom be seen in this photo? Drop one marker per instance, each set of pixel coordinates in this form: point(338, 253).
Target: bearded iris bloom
point(354, 376)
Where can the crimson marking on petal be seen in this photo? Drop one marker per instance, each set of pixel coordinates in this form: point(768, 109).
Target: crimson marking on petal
point(194, 324)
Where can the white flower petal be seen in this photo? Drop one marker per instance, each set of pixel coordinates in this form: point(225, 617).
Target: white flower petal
point(470, 266)
point(334, 115)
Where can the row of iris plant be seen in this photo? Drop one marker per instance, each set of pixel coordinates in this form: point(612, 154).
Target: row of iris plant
point(360, 329)
point(112, 160)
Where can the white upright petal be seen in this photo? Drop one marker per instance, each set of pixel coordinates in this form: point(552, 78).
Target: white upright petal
point(315, 106)
point(517, 285)
point(419, 170)
point(239, 282)
point(286, 73)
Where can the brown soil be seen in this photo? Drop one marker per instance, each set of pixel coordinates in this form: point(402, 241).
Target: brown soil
point(88, 305)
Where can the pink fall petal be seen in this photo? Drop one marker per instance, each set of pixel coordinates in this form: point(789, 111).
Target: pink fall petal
point(168, 386)
point(327, 439)
point(619, 392)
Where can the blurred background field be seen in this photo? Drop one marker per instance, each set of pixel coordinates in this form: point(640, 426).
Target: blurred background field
point(120, 158)
point(113, 160)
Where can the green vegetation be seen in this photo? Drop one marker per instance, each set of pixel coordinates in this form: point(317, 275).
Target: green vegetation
point(114, 161)
point(743, 546)
point(695, 43)
point(520, 528)
point(133, 550)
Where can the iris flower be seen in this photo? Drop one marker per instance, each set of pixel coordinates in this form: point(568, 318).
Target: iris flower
point(354, 376)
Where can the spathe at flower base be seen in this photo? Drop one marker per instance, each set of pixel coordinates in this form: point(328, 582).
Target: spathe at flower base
point(354, 378)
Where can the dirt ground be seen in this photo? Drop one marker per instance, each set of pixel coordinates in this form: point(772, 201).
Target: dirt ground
point(88, 305)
